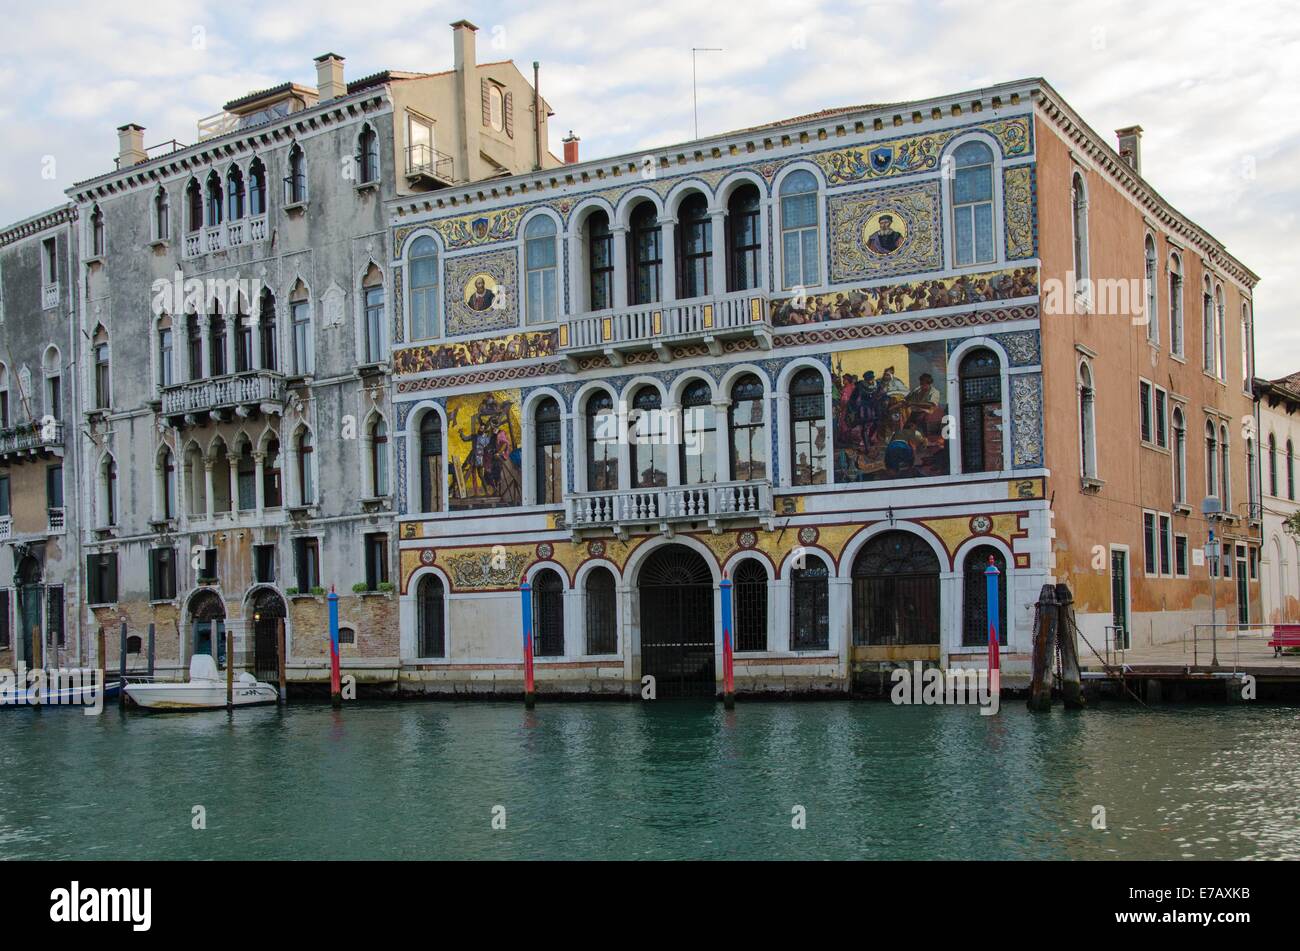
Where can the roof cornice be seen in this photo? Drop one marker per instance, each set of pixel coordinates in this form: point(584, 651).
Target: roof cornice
point(38, 223)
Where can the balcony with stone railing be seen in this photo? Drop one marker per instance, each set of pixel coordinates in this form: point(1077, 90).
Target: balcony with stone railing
point(6, 527)
point(681, 506)
point(661, 326)
point(50, 296)
point(55, 520)
point(229, 234)
point(35, 440)
point(240, 394)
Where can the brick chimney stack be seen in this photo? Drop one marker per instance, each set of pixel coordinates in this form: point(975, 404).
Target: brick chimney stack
point(469, 93)
point(130, 145)
point(571, 148)
point(329, 77)
point(1130, 146)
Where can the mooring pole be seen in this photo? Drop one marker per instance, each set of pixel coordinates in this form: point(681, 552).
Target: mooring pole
point(1071, 678)
point(121, 664)
point(99, 655)
point(728, 674)
point(526, 603)
point(230, 670)
point(151, 651)
point(336, 691)
point(991, 574)
point(279, 658)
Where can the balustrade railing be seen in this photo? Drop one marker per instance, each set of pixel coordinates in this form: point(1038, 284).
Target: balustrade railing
point(197, 396)
point(231, 234)
point(665, 322)
point(684, 503)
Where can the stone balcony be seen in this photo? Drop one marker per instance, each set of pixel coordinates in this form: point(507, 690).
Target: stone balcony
point(31, 441)
point(222, 237)
point(224, 397)
point(50, 296)
point(714, 506)
point(661, 326)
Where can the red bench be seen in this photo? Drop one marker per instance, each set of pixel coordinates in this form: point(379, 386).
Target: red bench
point(1284, 635)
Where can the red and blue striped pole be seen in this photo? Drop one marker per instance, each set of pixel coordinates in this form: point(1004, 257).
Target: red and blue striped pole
point(728, 673)
point(526, 596)
point(991, 579)
point(336, 691)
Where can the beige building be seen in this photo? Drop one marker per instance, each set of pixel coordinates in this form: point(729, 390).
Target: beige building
point(1278, 402)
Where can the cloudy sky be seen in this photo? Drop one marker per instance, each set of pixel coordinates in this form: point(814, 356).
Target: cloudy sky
point(1212, 83)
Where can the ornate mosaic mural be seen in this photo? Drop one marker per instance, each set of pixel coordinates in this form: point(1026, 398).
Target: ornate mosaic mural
point(889, 408)
point(484, 442)
point(917, 153)
point(1018, 201)
point(474, 353)
point(884, 232)
point(899, 298)
point(472, 230)
point(1026, 421)
point(481, 291)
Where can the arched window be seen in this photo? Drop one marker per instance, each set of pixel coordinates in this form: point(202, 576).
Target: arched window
point(216, 342)
point(647, 440)
point(220, 459)
point(548, 614)
point(1180, 456)
point(1176, 304)
point(1272, 465)
point(602, 442)
point(1153, 316)
point(698, 452)
point(548, 461)
point(52, 367)
point(1079, 218)
point(430, 462)
point(600, 262)
point(246, 477)
point(744, 238)
point(267, 328)
point(234, 193)
point(694, 247)
point(810, 611)
point(423, 265)
point(103, 375)
point(1087, 423)
point(972, 204)
point(367, 156)
point(799, 230)
point(1211, 460)
point(750, 593)
point(1220, 335)
point(300, 326)
point(272, 493)
point(193, 347)
point(746, 418)
point(1225, 470)
point(372, 289)
point(108, 490)
point(430, 617)
point(1247, 350)
point(975, 598)
point(161, 215)
point(306, 469)
point(646, 255)
point(256, 188)
point(602, 611)
point(243, 342)
point(1207, 327)
point(295, 183)
point(196, 490)
point(167, 484)
point(194, 205)
point(214, 199)
point(379, 456)
point(540, 269)
point(1290, 471)
point(808, 448)
point(166, 353)
point(980, 385)
point(896, 591)
point(97, 243)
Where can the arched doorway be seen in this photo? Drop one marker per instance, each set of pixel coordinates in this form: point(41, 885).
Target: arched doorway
point(28, 577)
point(208, 626)
point(975, 597)
point(268, 611)
point(896, 591)
point(677, 636)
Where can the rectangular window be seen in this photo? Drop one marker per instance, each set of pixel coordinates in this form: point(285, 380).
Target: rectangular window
point(4, 619)
point(300, 313)
point(4, 496)
point(264, 564)
point(1162, 419)
point(54, 396)
point(54, 487)
point(374, 324)
point(49, 262)
point(101, 577)
point(376, 560)
point(1145, 410)
point(1149, 543)
point(1166, 545)
point(162, 574)
point(419, 149)
point(1180, 556)
point(208, 571)
point(1254, 564)
point(307, 556)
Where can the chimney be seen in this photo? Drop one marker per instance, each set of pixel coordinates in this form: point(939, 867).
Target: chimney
point(469, 95)
point(1130, 146)
point(130, 145)
point(329, 77)
point(571, 148)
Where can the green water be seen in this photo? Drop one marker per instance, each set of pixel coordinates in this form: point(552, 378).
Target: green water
point(613, 780)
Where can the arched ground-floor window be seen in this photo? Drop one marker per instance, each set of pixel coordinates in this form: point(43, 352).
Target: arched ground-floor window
point(750, 593)
point(810, 610)
point(430, 619)
point(975, 601)
point(601, 612)
point(896, 591)
point(548, 614)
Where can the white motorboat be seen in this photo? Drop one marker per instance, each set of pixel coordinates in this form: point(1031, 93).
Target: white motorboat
point(206, 690)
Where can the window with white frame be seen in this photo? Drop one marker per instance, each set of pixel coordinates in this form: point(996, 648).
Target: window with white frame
point(1176, 305)
point(1152, 307)
point(1180, 456)
point(540, 270)
point(1146, 411)
point(301, 327)
point(372, 303)
point(972, 204)
point(1087, 422)
point(1149, 544)
point(422, 267)
point(1079, 219)
point(799, 230)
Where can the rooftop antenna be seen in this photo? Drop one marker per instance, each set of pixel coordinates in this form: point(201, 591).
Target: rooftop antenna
point(695, 97)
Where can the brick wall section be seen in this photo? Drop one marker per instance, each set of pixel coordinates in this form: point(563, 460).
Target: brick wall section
point(373, 617)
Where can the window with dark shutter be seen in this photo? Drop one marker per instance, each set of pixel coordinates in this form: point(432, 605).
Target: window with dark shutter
point(54, 614)
point(4, 619)
point(510, 114)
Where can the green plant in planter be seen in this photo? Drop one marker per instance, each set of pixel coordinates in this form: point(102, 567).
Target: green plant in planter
point(291, 591)
point(386, 587)
point(360, 588)
point(318, 591)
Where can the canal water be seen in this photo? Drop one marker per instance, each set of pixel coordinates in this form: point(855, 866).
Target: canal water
point(658, 781)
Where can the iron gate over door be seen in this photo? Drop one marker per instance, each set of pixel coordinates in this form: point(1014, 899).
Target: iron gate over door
point(267, 610)
point(677, 638)
point(896, 591)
